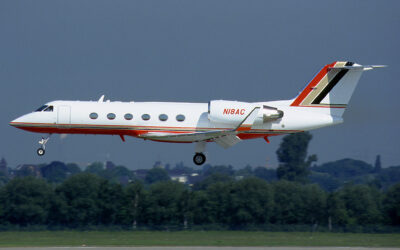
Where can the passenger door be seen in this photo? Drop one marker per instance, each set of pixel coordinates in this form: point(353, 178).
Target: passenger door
point(64, 116)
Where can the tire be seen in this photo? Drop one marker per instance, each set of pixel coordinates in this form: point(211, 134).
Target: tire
point(40, 151)
point(199, 159)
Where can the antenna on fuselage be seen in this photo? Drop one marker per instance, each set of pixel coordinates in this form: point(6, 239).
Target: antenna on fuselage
point(101, 99)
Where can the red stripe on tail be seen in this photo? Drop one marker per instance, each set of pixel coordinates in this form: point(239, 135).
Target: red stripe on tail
point(312, 84)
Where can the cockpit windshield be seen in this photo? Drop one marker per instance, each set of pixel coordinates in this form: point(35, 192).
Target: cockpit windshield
point(41, 108)
point(45, 108)
point(49, 109)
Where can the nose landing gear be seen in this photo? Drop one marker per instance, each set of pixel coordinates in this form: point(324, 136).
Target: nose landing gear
point(42, 148)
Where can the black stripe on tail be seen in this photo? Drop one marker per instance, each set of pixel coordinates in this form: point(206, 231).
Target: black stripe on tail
point(331, 84)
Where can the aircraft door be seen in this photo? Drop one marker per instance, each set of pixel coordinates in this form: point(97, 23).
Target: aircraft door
point(64, 115)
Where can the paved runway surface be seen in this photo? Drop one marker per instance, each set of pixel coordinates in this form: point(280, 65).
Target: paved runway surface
point(202, 248)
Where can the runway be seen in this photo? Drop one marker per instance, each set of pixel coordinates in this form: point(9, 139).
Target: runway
point(200, 248)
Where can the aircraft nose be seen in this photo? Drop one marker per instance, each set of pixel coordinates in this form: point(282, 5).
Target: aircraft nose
point(14, 122)
point(17, 121)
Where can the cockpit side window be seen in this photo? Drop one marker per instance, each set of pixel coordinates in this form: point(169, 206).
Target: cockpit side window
point(41, 108)
point(49, 109)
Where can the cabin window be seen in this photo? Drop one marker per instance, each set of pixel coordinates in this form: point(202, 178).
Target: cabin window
point(146, 117)
point(163, 117)
point(111, 116)
point(49, 109)
point(128, 116)
point(180, 118)
point(93, 116)
point(41, 108)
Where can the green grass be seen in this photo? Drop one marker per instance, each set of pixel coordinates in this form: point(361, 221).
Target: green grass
point(194, 238)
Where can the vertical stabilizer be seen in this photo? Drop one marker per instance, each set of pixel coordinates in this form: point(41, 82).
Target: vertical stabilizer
point(332, 87)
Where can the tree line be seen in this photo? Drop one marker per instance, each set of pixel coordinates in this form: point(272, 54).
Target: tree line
point(85, 200)
point(343, 195)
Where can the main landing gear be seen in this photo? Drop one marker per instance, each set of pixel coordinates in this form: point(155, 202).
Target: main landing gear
point(199, 158)
point(42, 148)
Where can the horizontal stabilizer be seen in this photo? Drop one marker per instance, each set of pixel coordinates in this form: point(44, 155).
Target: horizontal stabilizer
point(361, 67)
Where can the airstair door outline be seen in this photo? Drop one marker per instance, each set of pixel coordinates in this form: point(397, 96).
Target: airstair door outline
point(64, 116)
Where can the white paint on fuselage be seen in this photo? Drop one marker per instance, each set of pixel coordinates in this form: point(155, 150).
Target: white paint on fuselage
point(196, 115)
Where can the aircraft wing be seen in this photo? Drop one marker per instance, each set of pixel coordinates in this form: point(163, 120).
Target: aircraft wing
point(185, 137)
point(225, 138)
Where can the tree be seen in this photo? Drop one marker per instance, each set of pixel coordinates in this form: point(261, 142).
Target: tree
point(296, 203)
point(378, 165)
point(80, 194)
point(164, 204)
point(244, 172)
point(181, 168)
point(314, 199)
point(344, 169)
point(219, 202)
point(211, 179)
point(292, 154)
point(95, 168)
point(200, 208)
point(289, 205)
point(26, 201)
point(3, 167)
point(73, 168)
point(251, 202)
point(57, 171)
point(325, 181)
point(156, 175)
point(363, 204)
point(336, 209)
point(265, 174)
point(110, 201)
point(221, 169)
point(118, 174)
point(392, 205)
point(389, 176)
point(135, 203)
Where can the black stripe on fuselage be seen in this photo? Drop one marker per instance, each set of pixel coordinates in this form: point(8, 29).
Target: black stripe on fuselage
point(331, 84)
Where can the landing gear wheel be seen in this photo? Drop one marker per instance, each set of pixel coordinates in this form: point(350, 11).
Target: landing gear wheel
point(41, 151)
point(199, 159)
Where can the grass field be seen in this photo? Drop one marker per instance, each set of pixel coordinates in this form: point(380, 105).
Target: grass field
point(194, 238)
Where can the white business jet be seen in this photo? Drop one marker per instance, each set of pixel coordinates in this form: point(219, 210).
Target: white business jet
point(322, 103)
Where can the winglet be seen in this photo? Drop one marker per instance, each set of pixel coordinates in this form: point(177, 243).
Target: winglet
point(101, 99)
point(249, 119)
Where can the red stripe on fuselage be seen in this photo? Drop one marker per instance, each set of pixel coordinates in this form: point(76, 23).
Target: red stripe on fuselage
point(131, 131)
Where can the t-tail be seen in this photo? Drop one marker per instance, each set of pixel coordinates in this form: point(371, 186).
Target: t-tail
point(332, 87)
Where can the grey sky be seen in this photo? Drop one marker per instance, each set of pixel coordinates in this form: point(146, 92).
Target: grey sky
point(196, 51)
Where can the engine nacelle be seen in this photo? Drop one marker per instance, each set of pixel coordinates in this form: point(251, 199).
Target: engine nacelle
point(268, 114)
point(228, 112)
point(234, 112)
